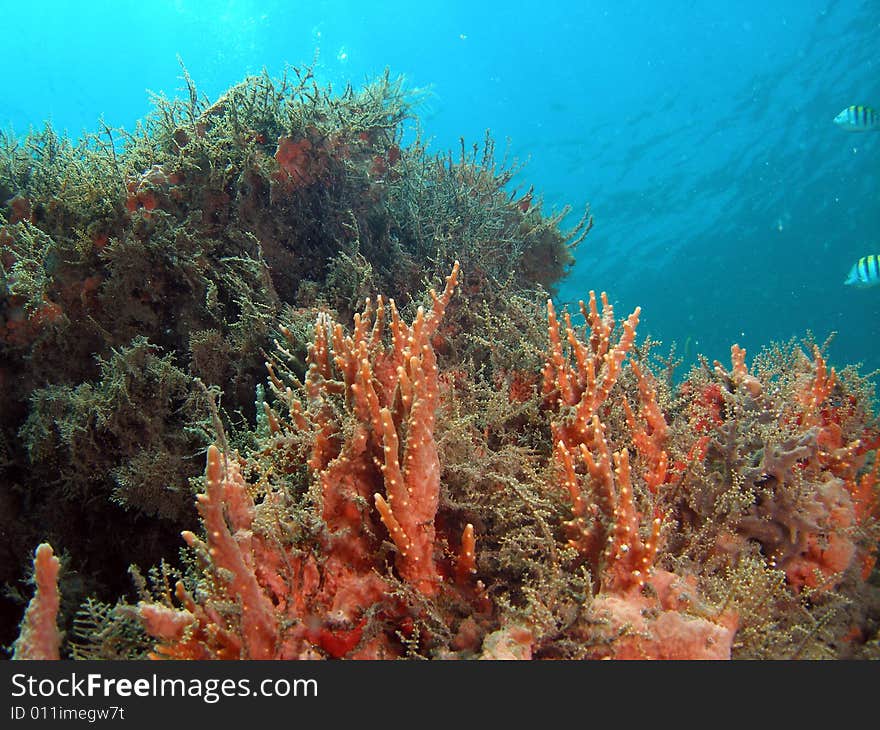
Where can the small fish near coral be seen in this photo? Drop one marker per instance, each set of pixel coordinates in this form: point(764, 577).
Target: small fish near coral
point(858, 118)
point(864, 273)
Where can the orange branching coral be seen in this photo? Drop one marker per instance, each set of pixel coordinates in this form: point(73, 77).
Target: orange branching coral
point(649, 439)
point(845, 496)
point(40, 638)
point(585, 384)
point(815, 393)
point(839, 453)
point(643, 612)
point(266, 598)
point(227, 512)
point(866, 498)
point(641, 608)
point(576, 383)
point(466, 565)
point(605, 528)
point(260, 599)
point(866, 505)
point(392, 391)
point(739, 373)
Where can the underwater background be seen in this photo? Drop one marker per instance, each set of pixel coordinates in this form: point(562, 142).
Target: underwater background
point(726, 202)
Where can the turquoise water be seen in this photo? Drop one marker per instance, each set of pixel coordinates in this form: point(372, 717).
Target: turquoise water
point(726, 202)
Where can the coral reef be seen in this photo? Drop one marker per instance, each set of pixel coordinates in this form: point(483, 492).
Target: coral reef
point(392, 472)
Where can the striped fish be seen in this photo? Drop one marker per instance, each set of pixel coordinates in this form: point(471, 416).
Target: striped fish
point(858, 118)
point(865, 272)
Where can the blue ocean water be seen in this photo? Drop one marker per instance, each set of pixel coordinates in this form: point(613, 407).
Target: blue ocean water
point(726, 202)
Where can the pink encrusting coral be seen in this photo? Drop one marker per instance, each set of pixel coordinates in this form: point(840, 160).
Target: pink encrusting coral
point(665, 622)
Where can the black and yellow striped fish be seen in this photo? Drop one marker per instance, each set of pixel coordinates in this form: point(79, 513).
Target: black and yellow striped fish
point(865, 272)
point(858, 118)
